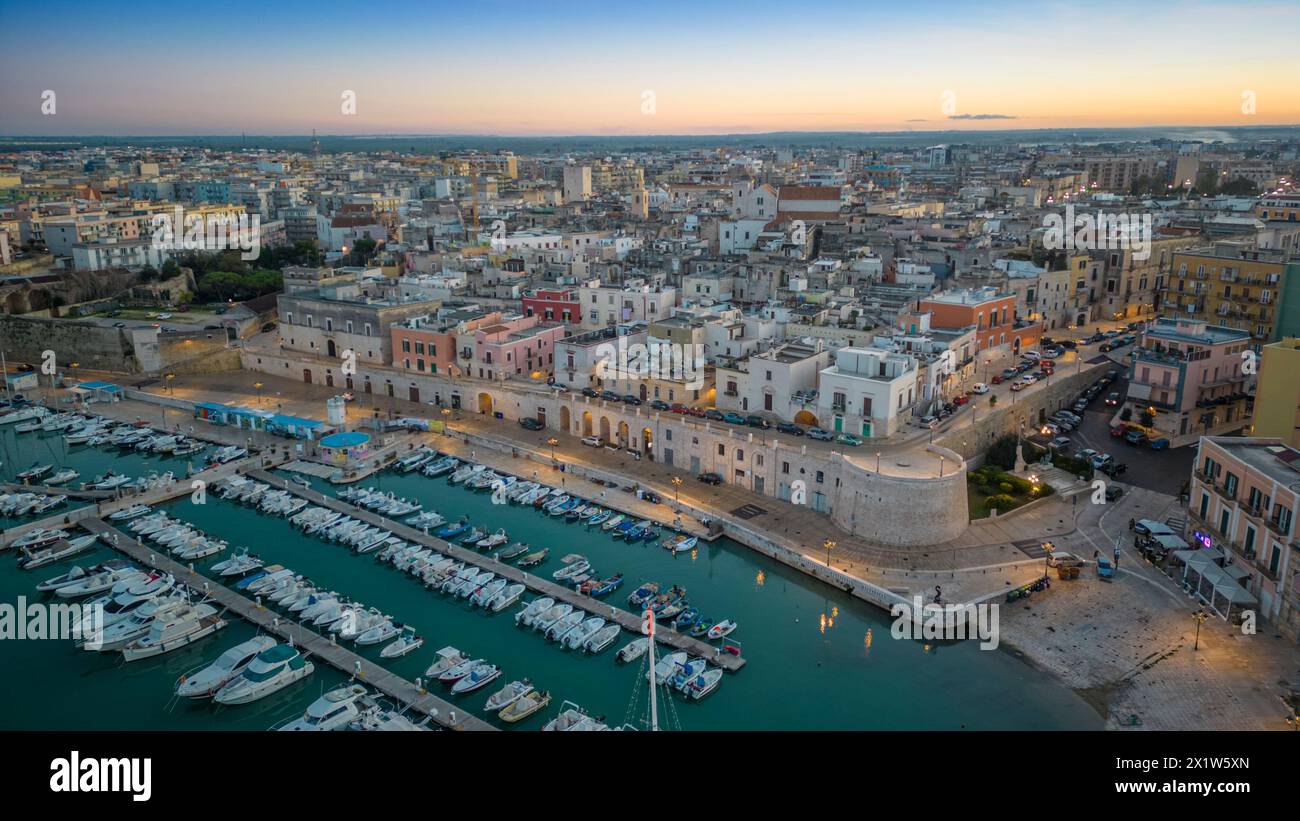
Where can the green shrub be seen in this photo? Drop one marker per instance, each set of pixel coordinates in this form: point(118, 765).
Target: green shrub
point(1000, 502)
point(1005, 487)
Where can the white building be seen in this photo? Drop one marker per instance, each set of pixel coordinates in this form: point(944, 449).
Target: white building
point(866, 392)
point(778, 382)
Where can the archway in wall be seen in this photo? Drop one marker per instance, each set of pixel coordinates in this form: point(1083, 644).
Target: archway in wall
point(306, 375)
point(485, 403)
point(604, 428)
point(330, 350)
point(804, 417)
point(586, 423)
point(647, 441)
point(623, 435)
point(329, 379)
point(645, 392)
point(566, 419)
point(1015, 345)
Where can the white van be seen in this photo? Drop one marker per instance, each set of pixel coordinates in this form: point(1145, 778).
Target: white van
point(1034, 356)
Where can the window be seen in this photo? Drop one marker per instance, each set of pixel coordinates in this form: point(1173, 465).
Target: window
point(821, 477)
point(722, 450)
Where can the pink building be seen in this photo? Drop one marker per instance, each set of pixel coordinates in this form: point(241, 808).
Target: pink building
point(427, 345)
point(521, 347)
point(1189, 376)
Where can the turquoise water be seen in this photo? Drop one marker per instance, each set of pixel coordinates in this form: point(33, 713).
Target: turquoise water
point(817, 658)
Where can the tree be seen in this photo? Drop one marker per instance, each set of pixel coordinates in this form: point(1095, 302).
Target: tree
point(1003, 451)
point(1148, 419)
point(170, 269)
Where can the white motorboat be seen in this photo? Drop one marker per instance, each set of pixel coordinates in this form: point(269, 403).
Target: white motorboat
point(62, 477)
point(200, 548)
point(333, 711)
point(564, 624)
point(507, 597)
point(208, 680)
point(111, 482)
point(535, 610)
point(571, 570)
point(78, 575)
point(487, 592)
point(117, 635)
point(577, 637)
point(471, 585)
point(99, 582)
point(39, 537)
point(634, 649)
point(667, 666)
point(722, 629)
point(479, 676)
point(508, 695)
point(31, 412)
point(571, 717)
point(408, 642)
point(273, 578)
point(174, 629)
point(603, 638)
point(459, 671)
point(488, 542)
point(273, 670)
point(446, 659)
point(238, 565)
point(34, 557)
point(379, 633)
point(703, 684)
point(131, 512)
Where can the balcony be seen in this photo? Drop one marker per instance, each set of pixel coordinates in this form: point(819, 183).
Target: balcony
point(1276, 526)
point(1255, 513)
point(1223, 491)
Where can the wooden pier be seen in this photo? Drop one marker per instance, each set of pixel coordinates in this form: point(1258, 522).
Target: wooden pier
point(365, 671)
point(52, 490)
point(625, 619)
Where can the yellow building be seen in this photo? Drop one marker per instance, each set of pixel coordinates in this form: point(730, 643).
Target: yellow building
point(1230, 285)
point(1277, 396)
point(1285, 207)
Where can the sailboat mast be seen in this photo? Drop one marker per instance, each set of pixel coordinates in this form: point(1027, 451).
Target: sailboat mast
point(648, 627)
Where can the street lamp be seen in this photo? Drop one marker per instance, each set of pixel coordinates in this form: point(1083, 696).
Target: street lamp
point(1199, 617)
point(446, 424)
point(257, 386)
point(170, 389)
point(877, 461)
point(552, 442)
point(1048, 547)
point(677, 488)
point(829, 544)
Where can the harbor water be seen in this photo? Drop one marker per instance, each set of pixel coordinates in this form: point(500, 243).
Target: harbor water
point(816, 657)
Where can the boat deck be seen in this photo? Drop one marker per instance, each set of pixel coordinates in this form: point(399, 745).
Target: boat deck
point(395, 687)
point(627, 620)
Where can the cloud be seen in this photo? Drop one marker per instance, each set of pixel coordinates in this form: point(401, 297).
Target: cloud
point(982, 117)
point(918, 120)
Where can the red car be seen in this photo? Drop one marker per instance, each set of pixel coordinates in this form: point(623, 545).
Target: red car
point(997, 379)
point(678, 408)
point(695, 412)
point(960, 399)
point(1117, 431)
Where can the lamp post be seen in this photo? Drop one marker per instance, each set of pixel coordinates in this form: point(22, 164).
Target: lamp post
point(1048, 547)
point(446, 421)
point(1199, 617)
point(552, 442)
point(257, 386)
point(877, 461)
point(677, 489)
point(829, 544)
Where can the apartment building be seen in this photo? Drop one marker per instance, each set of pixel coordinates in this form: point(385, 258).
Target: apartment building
point(780, 382)
point(1118, 173)
point(1245, 493)
point(553, 304)
point(1277, 395)
point(1188, 377)
point(633, 301)
point(516, 347)
point(427, 343)
point(1283, 207)
point(866, 392)
point(992, 313)
point(1229, 284)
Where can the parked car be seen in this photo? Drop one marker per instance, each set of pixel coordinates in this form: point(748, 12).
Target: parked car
point(1058, 558)
point(997, 379)
point(660, 405)
point(714, 414)
point(733, 418)
point(677, 407)
point(960, 399)
point(1118, 431)
point(1159, 444)
point(1032, 356)
point(1061, 443)
point(1099, 460)
point(848, 439)
point(1052, 353)
point(1150, 527)
point(1050, 429)
point(593, 441)
point(757, 422)
point(1010, 373)
point(592, 392)
point(631, 399)
point(710, 478)
point(980, 387)
point(789, 427)
point(820, 435)
point(1135, 437)
point(1107, 347)
point(610, 396)
point(531, 423)
point(1113, 399)
point(1019, 385)
point(1113, 492)
point(1087, 453)
point(1068, 343)
point(1114, 469)
point(1076, 418)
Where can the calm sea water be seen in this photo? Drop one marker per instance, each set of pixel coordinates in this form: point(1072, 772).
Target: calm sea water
point(817, 658)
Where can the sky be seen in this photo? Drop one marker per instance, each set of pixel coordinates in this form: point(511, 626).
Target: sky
point(550, 67)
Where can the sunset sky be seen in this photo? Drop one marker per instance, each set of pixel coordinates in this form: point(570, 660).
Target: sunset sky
point(498, 67)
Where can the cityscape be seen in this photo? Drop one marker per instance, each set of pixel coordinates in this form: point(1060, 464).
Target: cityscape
point(408, 388)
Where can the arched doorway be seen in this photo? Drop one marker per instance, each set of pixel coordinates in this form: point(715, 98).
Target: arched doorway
point(329, 379)
point(586, 423)
point(604, 428)
point(647, 442)
point(623, 437)
point(565, 419)
point(645, 392)
point(330, 349)
point(804, 417)
point(306, 375)
point(1015, 345)
point(485, 403)
point(413, 393)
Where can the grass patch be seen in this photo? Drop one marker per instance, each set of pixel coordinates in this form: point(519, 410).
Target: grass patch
point(990, 488)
